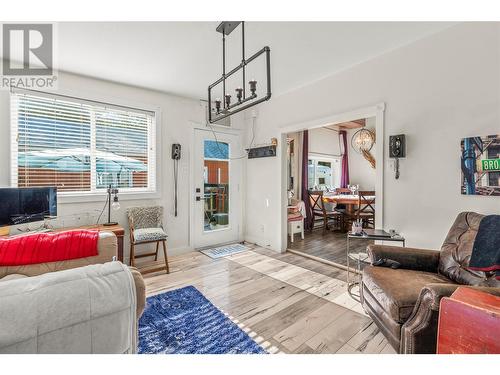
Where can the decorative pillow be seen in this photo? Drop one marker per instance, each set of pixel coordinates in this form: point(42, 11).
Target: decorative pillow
point(149, 234)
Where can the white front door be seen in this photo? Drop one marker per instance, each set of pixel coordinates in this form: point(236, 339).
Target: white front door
point(216, 195)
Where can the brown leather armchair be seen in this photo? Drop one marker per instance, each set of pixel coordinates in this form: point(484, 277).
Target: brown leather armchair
point(404, 302)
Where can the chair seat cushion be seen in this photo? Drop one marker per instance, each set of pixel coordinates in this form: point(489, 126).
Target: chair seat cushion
point(396, 291)
point(149, 234)
point(296, 216)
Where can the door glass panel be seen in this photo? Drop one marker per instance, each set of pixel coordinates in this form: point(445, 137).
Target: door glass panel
point(216, 185)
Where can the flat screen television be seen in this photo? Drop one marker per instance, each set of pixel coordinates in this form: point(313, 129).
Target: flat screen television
point(25, 205)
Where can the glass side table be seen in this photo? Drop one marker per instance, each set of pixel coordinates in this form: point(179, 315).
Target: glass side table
point(361, 257)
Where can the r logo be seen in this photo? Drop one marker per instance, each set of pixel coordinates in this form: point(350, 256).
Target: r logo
point(27, 49)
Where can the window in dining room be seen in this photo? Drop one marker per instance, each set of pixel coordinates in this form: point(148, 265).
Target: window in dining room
point(323, 173)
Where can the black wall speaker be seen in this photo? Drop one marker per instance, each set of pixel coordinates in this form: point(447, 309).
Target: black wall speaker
point(397, 146)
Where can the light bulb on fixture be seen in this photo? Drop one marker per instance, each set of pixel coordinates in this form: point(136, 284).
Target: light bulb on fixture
point(253, 86)
point(239, 94)
point(228, 100)
point(115, 205)
point(217, 105)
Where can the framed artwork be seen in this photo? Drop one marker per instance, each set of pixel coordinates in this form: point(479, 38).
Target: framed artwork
point(480, 162)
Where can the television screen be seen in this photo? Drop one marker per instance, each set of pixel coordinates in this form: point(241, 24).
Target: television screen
point(24, 205)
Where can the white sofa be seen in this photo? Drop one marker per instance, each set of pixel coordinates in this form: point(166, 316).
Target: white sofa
point(91, 309)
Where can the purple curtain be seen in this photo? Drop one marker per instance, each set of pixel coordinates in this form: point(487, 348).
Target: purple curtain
point(344, 178)
point(308, 221)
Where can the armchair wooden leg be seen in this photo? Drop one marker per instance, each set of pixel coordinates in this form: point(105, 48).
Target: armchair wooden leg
point(132, 254)
point(157, 247)
point(165, 255)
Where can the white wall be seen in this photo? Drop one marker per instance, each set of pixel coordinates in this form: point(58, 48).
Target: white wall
point(437, 90)
point(324, 141)
point(176, 124)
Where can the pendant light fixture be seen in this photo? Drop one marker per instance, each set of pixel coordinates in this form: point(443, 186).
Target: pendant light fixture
point(243, 99)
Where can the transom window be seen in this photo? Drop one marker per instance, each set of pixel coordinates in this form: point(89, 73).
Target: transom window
point(80, 146)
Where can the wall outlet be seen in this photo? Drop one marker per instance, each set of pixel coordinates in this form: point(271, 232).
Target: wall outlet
point(262, 228)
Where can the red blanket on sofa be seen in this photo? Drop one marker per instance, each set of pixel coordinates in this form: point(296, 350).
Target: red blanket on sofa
point(48, 247)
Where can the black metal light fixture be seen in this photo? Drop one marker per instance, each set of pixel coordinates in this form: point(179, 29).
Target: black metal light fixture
point(242, 100)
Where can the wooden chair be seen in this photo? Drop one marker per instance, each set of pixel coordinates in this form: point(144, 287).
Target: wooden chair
point(365, 210)
point(320, 213)
point(342, 191)
point(145, 224)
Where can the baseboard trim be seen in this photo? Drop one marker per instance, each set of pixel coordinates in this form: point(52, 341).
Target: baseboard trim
point(259, 242)
point(321, 260)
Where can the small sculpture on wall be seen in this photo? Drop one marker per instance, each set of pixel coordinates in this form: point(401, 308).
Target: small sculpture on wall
point(362, 142)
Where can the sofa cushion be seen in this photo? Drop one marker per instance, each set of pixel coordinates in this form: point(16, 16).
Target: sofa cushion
point(149, 234)
point(13, 276)
point(396, 290)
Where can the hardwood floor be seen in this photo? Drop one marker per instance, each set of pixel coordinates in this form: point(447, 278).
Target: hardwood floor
point(331, 246)
point(286, 302)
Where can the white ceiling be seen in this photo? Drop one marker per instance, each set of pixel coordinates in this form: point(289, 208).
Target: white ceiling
point(184, 57)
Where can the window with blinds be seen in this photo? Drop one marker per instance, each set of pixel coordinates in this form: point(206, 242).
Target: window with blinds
point(80, 146)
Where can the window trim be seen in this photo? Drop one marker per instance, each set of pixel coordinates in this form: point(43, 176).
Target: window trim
point(91, 98)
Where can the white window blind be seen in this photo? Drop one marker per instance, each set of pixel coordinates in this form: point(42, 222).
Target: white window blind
point(80, 146)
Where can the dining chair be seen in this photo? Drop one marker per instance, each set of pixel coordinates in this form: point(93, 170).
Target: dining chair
point(365, 210)
point(146, 226)
point(319, 211)
point(342, 191)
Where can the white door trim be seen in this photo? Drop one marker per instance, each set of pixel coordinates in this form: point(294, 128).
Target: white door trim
point(376, 111)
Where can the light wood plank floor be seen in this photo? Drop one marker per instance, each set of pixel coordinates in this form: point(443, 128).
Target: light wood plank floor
point(292, 303)
point(331, 246)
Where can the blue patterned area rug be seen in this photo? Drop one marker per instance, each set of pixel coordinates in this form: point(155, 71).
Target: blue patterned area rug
point(183, 321)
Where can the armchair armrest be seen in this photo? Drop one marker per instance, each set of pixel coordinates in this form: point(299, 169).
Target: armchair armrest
point(434, 292)
point(419, 333)
point(408, 258)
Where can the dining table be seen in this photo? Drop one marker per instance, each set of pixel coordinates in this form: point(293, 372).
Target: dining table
point(349, 200)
